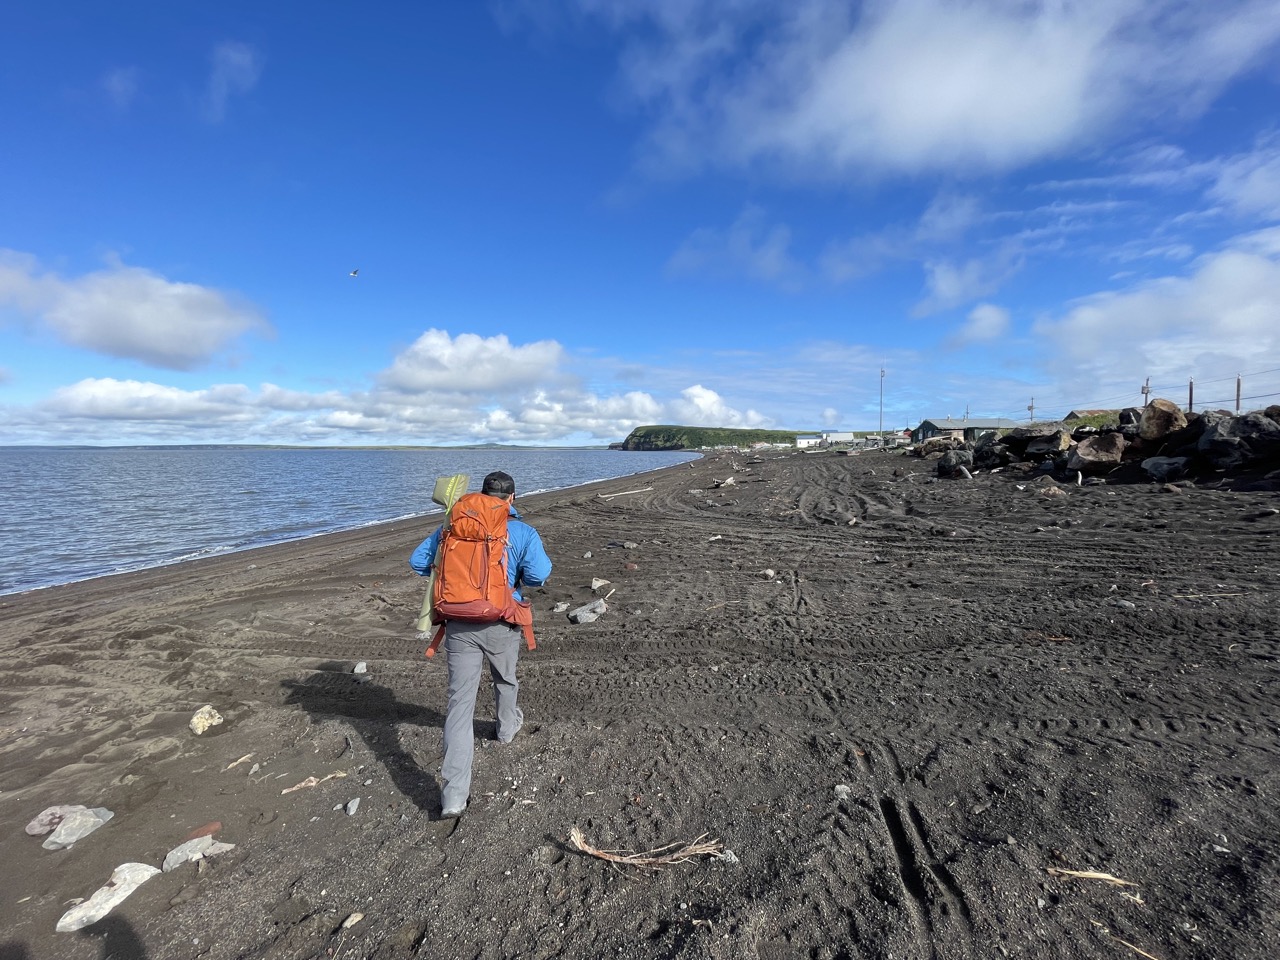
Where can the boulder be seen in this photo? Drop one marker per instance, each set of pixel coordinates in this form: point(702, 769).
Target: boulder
point(989, 452)
point(1052, 445)
point(1097, 454)
point(1166, 469)
point(1160, 418)
point(1130, 416)
point(1235, 442)
point(937, 445)
point(952, 461)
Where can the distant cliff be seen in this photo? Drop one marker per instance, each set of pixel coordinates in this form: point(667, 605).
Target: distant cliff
point(667, 437)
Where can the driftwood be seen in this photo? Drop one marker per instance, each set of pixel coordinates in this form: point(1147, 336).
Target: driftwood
point(672, 853)
point(622, 493)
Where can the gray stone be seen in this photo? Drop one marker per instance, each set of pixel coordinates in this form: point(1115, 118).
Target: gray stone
point(76, 826)
point(360, 667)
point(192, 850)
point(125, 879)
point(1237, 441)
point(1021, 436)
point(1097, 454)
point(50, 817)
point(952, 461)
point(1159, 418)
point(186, 852)
point(1054, 443)
point(598, 583)
point(352, 807)
point(589, 612)
point(1165, 469)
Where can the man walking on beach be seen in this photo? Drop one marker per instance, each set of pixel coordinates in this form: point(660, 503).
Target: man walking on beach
point(469, 645)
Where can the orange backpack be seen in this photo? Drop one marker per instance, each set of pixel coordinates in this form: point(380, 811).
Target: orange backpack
point(471, 581)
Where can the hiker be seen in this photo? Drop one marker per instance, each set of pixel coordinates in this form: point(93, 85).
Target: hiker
point(470, 644)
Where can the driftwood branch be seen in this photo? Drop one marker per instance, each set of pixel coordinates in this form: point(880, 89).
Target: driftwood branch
point(622, 493)
point(1089, 875)
point(672, 853)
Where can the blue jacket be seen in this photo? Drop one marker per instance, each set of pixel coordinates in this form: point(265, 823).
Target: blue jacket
point(527, 561)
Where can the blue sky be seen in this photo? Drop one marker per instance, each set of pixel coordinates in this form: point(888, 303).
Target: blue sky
point(573, 218)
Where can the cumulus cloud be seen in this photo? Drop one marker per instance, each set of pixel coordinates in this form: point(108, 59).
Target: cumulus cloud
point(127, 312)
point(986, 322)
point(1216, 320)
point(437, 362)
point(699, 406)
point(829, 88)
point(517, 395)
point(234, 71)
point(106, 398)
point(750, 248)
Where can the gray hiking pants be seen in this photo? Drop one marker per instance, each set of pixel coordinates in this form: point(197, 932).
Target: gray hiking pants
point(468, 646)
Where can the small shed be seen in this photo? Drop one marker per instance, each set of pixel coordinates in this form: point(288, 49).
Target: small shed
point(806, 440)
point(969, 429)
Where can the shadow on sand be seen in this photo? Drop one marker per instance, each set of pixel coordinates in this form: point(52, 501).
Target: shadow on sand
point(117, 941)
point(373, 712)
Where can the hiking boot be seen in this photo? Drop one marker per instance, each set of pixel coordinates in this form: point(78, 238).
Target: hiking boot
point(452, 813)
point(513, 733)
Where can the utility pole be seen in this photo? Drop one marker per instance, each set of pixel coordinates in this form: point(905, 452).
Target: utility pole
point(882, 404)
point(1146, 393)
point(1191, 395)
point(1237, 394)
point(1032, 407)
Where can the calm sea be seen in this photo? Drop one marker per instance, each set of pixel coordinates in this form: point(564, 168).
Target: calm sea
point(70, 514)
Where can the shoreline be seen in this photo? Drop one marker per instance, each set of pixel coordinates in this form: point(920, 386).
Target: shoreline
point(909, 708)
point(218, 552)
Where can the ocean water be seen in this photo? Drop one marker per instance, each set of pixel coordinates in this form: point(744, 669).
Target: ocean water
point(69, 514)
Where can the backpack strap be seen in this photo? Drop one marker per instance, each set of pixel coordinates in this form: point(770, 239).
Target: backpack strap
point(525, 623)
point(435, 641)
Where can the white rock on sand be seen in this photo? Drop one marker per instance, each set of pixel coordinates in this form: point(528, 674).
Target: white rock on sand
point(204, 718)
point(125, 879)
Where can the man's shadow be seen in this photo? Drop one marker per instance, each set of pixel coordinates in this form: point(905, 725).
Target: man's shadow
point(373, 712)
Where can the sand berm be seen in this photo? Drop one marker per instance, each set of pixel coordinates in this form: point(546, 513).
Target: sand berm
point(909, 708)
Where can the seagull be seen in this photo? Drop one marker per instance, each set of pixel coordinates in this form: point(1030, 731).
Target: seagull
point(355, 272)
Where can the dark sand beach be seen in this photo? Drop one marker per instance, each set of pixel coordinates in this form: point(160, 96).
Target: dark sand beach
point(900, 704)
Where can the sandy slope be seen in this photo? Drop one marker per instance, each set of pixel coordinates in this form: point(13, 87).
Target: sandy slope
point(1004, 681)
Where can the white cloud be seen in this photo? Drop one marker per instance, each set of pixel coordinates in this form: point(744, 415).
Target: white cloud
point(951, 284)
point(750, 248)
point(1250, 184)
point(828, 88)
point(1217, 320)
point(110, 399)
point(121, 87)
point(127, 312)
point(235, 69)
point(699, 406)
point(985, 323)
point(439, 363)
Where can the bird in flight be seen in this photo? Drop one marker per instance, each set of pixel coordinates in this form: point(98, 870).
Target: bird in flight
point(355, 272)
